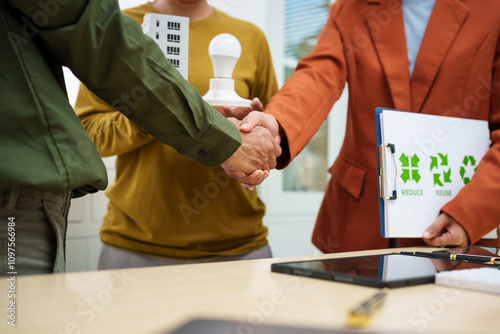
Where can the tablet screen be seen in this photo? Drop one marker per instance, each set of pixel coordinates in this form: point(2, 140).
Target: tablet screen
point(220, 326)
point(389, 270)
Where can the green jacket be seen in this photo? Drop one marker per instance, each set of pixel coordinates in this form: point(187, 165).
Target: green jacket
point(42, 142)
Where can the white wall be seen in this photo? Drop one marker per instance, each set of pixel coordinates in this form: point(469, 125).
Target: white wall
point(290, 217)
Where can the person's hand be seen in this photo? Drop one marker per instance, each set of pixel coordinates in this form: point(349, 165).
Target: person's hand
point(249, 181)
point(256, 118)
point(241, 112)
point(251, 163)
point(446, 231)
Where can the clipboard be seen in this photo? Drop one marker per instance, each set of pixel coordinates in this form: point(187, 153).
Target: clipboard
point(423, 162)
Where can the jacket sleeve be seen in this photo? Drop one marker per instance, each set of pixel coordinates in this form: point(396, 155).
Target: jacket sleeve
point(476, 207)
point(309, 94)
point(109, 53)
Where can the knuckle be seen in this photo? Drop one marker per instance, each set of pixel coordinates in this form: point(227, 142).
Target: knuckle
point(269, 146)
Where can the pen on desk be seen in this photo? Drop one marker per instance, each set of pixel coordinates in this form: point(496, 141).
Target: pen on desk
point(455, 257)
point(473, 257)
point(469, 258)
point(360, 315)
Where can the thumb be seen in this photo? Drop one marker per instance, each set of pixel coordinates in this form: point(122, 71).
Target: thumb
point(249, 122)
point(257, 104)
point(435, 229)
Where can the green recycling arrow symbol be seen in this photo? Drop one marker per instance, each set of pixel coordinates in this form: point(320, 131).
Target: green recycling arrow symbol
point(444, 159)
point(447, 175)
point(415, 175)
point(409, 172)
point(404, 160)
point(437, 175)
point(434, 163)
point(405, 175)
point(437, 180)
point(467, 159)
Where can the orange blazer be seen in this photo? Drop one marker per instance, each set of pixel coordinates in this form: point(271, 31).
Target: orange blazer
point(457, 73)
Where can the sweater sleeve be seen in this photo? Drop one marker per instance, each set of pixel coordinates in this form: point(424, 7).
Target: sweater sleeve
point(109, 53)
point(265, 84)
point(110, 131)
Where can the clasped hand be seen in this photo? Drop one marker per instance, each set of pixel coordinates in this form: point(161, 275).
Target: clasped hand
point(257, 155)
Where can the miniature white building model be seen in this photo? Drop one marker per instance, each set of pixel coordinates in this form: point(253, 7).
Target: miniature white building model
point(171, 33)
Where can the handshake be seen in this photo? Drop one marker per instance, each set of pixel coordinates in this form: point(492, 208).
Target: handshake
point(260, 147)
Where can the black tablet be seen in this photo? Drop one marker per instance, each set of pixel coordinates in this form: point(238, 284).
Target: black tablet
point(215, 326)
point(388, 270)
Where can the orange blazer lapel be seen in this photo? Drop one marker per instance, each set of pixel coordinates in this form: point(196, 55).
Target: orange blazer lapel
point(445, 22)
point(385, 23)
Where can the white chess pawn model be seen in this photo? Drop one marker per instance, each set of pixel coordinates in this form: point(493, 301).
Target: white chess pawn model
point(224, 50)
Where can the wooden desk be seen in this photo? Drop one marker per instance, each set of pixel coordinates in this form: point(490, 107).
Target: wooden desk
point(156, 300)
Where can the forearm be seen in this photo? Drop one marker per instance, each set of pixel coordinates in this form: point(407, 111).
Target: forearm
point(110, 131)
point(307, 97)
point(113, 134)
point(122, 66)
point(476, 206)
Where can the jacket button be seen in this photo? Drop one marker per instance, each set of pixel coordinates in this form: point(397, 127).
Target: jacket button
point(202, 153)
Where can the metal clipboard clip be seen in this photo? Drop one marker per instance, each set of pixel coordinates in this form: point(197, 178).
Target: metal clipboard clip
point(388, 194)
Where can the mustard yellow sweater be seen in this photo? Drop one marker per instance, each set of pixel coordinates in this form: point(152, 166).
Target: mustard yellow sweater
point(161, 203)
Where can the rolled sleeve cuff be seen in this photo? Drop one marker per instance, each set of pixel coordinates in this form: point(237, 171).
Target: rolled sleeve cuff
point(216, 145)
